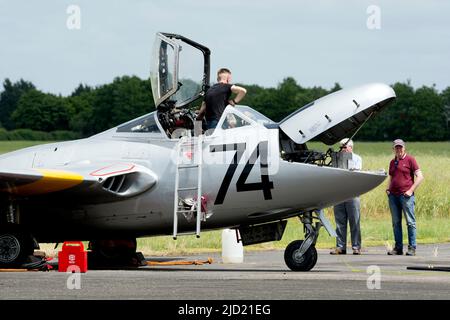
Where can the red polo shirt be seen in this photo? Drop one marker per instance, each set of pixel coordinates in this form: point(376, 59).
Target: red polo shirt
point(402, 174)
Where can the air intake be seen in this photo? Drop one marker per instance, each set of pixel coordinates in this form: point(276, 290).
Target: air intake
point(116, 184)
point(129, 184)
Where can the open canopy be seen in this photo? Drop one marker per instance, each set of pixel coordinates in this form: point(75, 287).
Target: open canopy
point(179, 70)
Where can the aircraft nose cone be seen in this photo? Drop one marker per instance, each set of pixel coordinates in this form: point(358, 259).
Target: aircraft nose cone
point(345, 184)
point(323, 187)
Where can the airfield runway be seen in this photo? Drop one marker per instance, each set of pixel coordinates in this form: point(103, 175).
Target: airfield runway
point(262, 276)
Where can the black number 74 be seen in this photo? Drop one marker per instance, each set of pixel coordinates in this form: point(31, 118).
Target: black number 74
point(265, 185)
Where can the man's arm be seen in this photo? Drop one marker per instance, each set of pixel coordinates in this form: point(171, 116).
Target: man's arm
point(240, 93)
point(201, 111)
point(419, 178)
point(389, 185)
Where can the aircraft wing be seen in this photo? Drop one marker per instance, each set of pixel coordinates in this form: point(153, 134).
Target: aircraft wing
point(101, 181)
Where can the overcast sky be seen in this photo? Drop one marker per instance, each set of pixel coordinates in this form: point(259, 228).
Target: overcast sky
point(262, 41)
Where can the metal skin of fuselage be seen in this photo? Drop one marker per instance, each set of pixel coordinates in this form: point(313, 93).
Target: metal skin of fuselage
point(295, 187)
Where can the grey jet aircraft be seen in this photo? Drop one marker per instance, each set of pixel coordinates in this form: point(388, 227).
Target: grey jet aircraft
point(160, 174)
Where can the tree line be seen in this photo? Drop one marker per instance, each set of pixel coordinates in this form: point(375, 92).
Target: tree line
point(421, 114)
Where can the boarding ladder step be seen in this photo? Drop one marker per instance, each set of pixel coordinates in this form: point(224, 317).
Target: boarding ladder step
point(191, 146)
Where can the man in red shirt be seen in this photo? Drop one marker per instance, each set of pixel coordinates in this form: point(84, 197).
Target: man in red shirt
point(405, 177)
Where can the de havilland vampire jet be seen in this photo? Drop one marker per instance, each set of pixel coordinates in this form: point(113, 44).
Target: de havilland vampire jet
point(162, 175)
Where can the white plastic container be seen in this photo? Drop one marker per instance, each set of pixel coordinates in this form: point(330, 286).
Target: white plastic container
point(232, 251)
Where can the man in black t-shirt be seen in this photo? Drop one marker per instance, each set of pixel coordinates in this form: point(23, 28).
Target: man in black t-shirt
point(218, 97)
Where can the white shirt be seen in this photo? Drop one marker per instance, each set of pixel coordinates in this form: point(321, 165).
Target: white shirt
point(355, 163)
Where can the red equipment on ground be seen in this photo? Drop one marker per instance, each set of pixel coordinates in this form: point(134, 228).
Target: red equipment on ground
point(73, 257)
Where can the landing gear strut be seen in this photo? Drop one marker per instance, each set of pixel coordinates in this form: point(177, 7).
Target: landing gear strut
point(301, 255)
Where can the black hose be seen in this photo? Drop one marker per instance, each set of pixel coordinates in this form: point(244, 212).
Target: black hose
point(40, 265)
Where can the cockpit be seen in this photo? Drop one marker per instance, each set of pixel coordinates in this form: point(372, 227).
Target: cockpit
point(180, 77)
point(184, 124)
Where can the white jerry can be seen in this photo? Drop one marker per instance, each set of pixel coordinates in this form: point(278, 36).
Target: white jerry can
point(232, 250)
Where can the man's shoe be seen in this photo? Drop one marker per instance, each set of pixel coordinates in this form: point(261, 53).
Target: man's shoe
point(357, 251)
point(411, 252)
point(395, 252)
point(338, 251)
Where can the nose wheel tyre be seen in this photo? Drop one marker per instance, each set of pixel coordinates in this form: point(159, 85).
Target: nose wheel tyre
point(300, 262)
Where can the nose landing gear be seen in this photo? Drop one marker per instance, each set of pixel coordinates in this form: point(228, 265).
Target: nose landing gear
point(301, 255)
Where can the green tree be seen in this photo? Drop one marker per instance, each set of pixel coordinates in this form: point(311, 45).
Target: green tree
point(42, 111)
point(120, 101)
point(394, 121)
point(262, 100)
point(446, 101)
point(277, 103)
point(9, 99)
point(427, 120)
point(416, 115)
point(289, 97)
point(336, 87)
point(81, 89)
point(82, 120)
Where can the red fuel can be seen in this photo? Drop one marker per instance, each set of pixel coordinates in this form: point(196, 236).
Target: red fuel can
point(72, 257)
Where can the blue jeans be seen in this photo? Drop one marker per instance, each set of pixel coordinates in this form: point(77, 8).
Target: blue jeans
point(211, 124)
point(397, 204)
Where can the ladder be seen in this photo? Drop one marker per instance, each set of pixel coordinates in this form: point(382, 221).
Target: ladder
point(194, 146)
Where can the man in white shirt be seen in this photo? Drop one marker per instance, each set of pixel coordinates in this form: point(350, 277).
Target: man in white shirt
point(348, 211)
